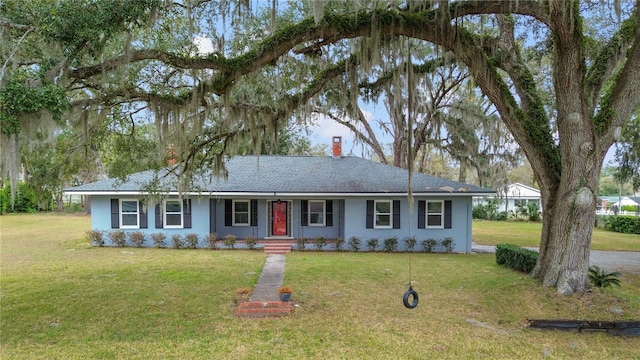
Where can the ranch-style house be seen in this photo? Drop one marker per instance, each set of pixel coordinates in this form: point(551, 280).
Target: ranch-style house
point(283, 198)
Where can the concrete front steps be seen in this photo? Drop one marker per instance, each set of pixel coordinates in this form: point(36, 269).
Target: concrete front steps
point(262, 309)
point(277, 247)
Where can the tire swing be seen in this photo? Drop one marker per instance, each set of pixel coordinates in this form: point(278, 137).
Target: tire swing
point(410, 295)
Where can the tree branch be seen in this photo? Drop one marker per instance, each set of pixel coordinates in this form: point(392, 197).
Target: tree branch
point(7, 23)
point(610, 56)
point(529, 8)
point(624, 96)
point(211, 61)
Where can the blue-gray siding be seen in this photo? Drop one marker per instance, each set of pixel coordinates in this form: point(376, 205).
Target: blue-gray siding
point(349, 219)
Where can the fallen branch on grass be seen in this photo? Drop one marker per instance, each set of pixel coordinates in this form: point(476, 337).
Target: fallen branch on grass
point(626, 328)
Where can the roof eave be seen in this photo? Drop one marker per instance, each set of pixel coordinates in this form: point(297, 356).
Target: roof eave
point(273, 193)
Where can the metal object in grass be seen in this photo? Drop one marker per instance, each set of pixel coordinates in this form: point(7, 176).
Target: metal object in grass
point(625, 328)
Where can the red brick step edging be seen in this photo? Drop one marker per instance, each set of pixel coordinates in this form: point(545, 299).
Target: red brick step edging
point(277, 247)
point(261, 309)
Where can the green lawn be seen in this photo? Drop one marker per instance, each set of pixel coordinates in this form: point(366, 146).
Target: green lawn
point(528, 234)
point(63, 299)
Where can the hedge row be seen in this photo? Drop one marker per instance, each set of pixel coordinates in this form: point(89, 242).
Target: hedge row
point(516, 257)
point(623, 224)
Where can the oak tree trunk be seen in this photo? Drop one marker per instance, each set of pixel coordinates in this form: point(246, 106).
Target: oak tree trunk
point(568, 219)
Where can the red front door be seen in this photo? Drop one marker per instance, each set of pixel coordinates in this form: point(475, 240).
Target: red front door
point(279, 218)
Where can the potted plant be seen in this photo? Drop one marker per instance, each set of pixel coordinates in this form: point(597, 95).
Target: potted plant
point(242, 294)
point(285, 293)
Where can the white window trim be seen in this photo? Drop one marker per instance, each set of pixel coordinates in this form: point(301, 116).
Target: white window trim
point(181, 226)
point(233, 213)
point(427, 213)
point(324, 212)
point(376, 213)
point(137, 213)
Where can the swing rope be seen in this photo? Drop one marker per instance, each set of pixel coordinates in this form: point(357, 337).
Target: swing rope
point(410, 293)
point(409, 71)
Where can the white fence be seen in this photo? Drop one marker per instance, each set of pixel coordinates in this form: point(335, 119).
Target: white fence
point(609, 212)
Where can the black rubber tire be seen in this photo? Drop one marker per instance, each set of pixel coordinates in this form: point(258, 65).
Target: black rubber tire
point(405, 299)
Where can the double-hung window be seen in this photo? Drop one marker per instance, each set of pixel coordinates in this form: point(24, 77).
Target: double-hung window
point(383, 214)
point(316, 213)
point(129, 215)
point(241, 212)
point(435, 214)
point(173, 214)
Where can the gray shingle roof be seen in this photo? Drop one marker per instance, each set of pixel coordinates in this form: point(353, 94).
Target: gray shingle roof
point(296, 174)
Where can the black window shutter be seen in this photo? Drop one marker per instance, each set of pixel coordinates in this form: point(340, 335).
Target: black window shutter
point(158, 216)
point(329, 220)
point(369, 214)
point(447, 214)
point(212, 216)
point(186, 213)
point(421, 213)
point(304, 212)
point(142, 215)
point(228, 212)
point(115, 213)
point(254, 212)
point(396, 214)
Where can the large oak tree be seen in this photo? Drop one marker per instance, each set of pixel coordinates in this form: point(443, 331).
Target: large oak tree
point(274, 64)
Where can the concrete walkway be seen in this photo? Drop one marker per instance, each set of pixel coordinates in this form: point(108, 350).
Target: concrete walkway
point(270, 279)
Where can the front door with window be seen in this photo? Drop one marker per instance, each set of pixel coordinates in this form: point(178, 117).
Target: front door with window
point(279, 213)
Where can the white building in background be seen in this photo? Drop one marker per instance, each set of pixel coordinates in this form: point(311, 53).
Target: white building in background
point(517, 195)
point(627, 201)
point(627, 205)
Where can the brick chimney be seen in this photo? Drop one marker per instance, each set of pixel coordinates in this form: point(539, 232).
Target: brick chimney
point(336, 147)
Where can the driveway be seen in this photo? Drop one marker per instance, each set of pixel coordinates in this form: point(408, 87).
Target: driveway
point(623, 261)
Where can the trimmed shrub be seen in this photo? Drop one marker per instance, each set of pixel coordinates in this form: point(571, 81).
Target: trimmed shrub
point(624, 224)
point(429, 244)
point(137, 238)
point(212, 241)
point(372, 244)
point(301, 243)
point(230, 241)
point(338, 243)
point(448, 244)
point(502, 216)
point(96, 237)
point(516, 257)
point(159, 240)
point(176, 241)
point(251, 242)
point(191, 240)
point(391, 244)
point(118, 238)
point(410, 243)
point(354, 243)
point(320, 241)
